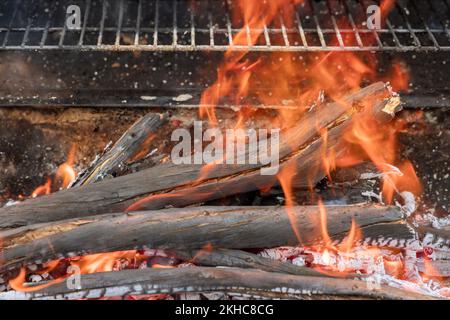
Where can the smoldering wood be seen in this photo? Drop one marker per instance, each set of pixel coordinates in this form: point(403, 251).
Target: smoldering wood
point(307, 163)
point(247, 260)
point(434, 268)
point(435, 237)
point(118, 194)
point(113, 161)
point(245, 282)
point(186, 229)
point(397, 235)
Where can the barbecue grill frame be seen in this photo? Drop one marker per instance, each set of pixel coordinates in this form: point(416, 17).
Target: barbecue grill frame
point(212, 30)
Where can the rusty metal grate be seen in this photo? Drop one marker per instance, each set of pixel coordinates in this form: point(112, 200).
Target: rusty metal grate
point(178, 25)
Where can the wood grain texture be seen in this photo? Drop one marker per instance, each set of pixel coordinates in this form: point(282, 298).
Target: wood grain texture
point(247, 260)
point(187, 229)
point(246, 282)
point(113, 161)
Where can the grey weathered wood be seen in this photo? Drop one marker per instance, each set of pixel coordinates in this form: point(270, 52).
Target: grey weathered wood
point(247, 260)
point(118, 194)
point(438, 237)
point(113, 161)
point(187, 229)
point(246, 282)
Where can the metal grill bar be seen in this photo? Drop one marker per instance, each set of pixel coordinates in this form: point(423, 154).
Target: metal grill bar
point(138, 23)
point(406, 29)
point(102, 24)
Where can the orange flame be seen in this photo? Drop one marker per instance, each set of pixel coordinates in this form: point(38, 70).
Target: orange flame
point(64, 175)
point(329, 251)
point(285, 177)
point(101, 262)
point(46, 188)
point(297, 80)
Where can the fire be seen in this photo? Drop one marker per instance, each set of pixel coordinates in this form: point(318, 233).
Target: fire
point(335, 258)
point(236, 71)
point(46, 188)
point(101, 262)
point(398, 76)
point(64, 175)
point(18, 283)
point(303, 79)
point(353, 235)
point(285, 177)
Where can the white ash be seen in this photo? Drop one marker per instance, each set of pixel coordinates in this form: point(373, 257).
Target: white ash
point(409, 206)
point(35, 278)
point(182, 98)
point(371, 194)
point(11, 203)
point(191, 296)
point(437, 254)
point(362, 259)
point(299, 261)
point(377, 175)
point(148, 98)
point(437, 223)
point(281, 253)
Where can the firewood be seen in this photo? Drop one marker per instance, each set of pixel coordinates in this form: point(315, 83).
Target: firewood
point(433, 236)
point(297, 144)
point(247, 260)
point(113, 161)
point(187, 229)
point(234, 281)
point(435, 268)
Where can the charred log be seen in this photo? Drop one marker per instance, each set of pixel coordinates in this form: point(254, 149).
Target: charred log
point(245, 282)
point(113, 161)
point(247, 260)
point(186, 229)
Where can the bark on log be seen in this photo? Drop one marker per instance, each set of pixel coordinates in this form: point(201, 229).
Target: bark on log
point(113, 161)
point(245, 282)
point(247, 260)
point(186, 229)
point(297, 144)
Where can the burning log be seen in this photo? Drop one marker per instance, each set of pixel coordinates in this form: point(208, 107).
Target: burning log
point(186, 229)
point(165, 182)
point(440, 237)
point(435, 268)
point(113, 161)
point(234, 281)
point(247, 260)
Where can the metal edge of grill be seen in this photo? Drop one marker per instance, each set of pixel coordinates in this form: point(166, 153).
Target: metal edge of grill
point(171, 28)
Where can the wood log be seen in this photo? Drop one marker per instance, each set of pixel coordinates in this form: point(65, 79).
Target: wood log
point(435, 268)
point(308, 163)
point(113, 162)
point(186, 229)
point(435, 237)
point(247, 260)
point(119, 193)
point(245, 282)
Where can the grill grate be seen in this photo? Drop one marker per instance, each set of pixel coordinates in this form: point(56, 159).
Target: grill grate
point(207, 26)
